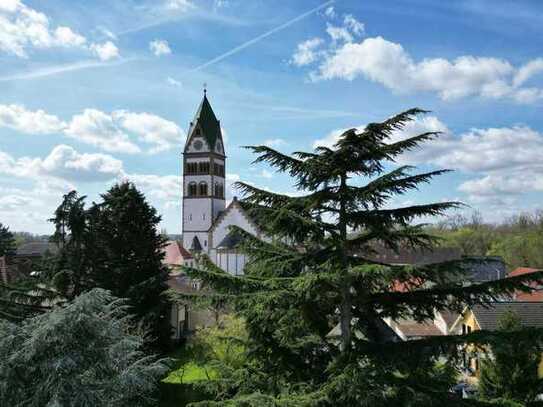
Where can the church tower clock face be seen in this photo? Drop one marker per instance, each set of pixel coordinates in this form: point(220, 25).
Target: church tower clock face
point(198, 145)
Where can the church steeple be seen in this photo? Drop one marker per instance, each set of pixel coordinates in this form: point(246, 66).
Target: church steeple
point(206, 124)
point(204, 163)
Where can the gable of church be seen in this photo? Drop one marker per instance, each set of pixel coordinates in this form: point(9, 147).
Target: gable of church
point(234, 215)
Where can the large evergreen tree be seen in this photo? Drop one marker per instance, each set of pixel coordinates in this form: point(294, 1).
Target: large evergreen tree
point(115, 245)
point(511, 369)
point(127, 254)
point(85, 354)
point(7, 242)
point(318, 270)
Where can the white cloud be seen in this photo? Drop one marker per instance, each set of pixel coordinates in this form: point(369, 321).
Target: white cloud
point(105, 51)
point(266, 174)
point(330, 12)
point(63, 163)
point(221, 4)
point(67, 38)
point(389, 64)
point(113, 132)
point(338, 34)
point(527, 71)
point(173, 82)
point(160, 47)
point(165, 187)
point(31, 122)
point(162, 134)
point(331, 138)
point(306, 52)
point(275, 142)
point(23, 28)
point(101, 130)
point(354, 25)
point(179, 5)
point(497, 159)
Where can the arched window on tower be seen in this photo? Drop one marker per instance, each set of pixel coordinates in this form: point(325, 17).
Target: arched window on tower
point(219, 190)
point(193, 189)
point(203, 189)
point(203, 167)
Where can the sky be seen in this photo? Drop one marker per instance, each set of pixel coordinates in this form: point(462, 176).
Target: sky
point(93, 93)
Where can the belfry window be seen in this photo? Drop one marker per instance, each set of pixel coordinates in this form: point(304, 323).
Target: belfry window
point(191, 168)
point(203, 168)
point(193, 189)
point(203, 189)
point(218, 169)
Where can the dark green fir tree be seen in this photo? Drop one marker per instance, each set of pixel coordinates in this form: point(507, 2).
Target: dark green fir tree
point(317, 271)
point(127, 255)
point(7, 241)
point(511, 369)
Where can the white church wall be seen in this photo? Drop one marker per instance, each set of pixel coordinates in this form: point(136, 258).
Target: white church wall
point(188, 237)
point(196, 214)
point(234, 217)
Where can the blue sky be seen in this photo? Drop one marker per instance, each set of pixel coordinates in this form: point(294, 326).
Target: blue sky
point(96, 92)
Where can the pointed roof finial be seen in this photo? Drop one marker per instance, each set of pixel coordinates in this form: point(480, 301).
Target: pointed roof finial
point(205, 88)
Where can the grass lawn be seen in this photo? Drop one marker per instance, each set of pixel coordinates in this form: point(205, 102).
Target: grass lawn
point(187, 369)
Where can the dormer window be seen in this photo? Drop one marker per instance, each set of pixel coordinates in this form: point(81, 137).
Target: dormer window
point(197, 132)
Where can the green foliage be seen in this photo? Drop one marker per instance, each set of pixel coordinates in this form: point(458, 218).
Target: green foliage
point(115, 244)
point(222, 344)
point(518, 240)
point(312, 275)
point(7, 242)
point(127, 254)
point(84, 354)
point(510, 370)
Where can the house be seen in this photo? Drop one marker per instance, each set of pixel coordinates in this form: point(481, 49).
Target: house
point(176, 256)
point(534, 296)
point(479, 269)
point(480, 317)
point(26, 258)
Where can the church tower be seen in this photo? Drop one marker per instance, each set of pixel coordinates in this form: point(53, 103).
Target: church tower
point(203, 178)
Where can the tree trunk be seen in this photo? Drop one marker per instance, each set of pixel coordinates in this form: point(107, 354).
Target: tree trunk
point(346, 313)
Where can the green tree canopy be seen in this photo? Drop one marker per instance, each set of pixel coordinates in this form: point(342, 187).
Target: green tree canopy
point(84, 354)
point(116, 245)
point(318, 269)
point(511, 369)
point(7, 241)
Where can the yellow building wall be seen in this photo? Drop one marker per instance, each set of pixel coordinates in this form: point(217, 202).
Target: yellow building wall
point(469, 320)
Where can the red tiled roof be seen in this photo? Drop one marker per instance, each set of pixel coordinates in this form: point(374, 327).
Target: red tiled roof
point(175, 254)
point(522, 270)
point(534, 296)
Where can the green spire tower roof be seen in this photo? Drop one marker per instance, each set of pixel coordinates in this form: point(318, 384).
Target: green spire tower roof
point(205, 119)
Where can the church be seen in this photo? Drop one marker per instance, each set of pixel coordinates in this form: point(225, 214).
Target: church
point(206, 217)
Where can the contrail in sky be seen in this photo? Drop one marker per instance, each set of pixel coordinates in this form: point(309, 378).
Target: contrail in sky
point(261, 37)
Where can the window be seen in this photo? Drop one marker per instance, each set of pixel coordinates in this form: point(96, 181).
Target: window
point(204, 216)
point(205, 243)
point(197, 132)
point(193, 189)
point(203, 189)
point(219, 190)
point(190, 216)
point(203, 167)
point(218, 169)
point(191, 168)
